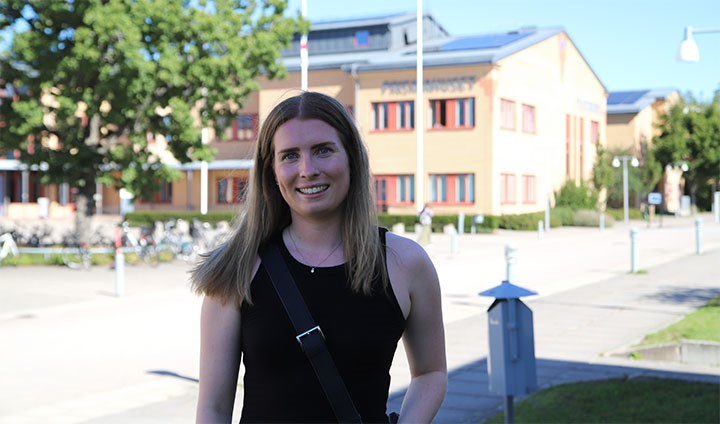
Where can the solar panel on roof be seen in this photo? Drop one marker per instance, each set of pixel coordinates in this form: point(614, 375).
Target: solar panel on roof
point(625, 97)
point(489, 41)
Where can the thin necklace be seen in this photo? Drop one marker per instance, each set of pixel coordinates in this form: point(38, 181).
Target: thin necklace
point(312, 267)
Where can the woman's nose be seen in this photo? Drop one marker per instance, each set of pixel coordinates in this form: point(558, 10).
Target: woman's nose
point(308, 168)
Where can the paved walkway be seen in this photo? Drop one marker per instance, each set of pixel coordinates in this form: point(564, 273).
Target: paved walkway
point(73, 352)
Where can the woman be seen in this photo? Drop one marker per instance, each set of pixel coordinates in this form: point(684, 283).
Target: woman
point(310, 192)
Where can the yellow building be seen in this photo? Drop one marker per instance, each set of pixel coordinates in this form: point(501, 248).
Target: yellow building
point(632, 118)
point(507, 117)
point(633, 115)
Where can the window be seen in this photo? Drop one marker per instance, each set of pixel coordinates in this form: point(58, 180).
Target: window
point(362, 39)
point(581, 147)
point(230, 190)
point(594, 132)
point(529, 189)
point(392, 116)
point(438, 188)
point(163, 195)
point(406, 188)
point(452, 113)
point(394, 189)
point(244, 127)
point(452, 188)
point(568, 138)
point(507, 190)
point(465, 188)
point(507, 114)
point(528, 121)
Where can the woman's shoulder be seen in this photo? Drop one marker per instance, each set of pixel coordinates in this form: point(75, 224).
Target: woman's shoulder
point(405, 251)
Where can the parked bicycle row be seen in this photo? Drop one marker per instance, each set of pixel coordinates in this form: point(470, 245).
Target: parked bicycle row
point(184, 240)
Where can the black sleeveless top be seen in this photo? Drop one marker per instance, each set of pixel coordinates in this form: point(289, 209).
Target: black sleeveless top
point(361, 333)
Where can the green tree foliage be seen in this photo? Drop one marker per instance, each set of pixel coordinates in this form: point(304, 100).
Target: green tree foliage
point(576, 196)
point(603, 174)
point(690, 133)
point(95, 80)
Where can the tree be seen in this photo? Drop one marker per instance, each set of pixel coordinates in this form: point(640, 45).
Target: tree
point(690, 133)
point(98, 80)
point(603, 174)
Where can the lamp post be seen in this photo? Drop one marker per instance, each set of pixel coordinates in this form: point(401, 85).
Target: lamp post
point(616, 163)
point(689, 51)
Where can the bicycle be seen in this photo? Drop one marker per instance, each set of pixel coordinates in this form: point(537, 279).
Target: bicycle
point(143, 246)
point(8, 246)
point(178, 244)
point(77, 256)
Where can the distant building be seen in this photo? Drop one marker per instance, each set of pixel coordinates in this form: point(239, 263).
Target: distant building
point(508, 116)
point(632, 119)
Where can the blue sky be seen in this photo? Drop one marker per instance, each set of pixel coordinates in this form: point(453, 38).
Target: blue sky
point(630, 44)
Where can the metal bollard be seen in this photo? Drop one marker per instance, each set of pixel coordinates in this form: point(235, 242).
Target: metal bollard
point(602, 221)
point(698, 236)
point(716, 206)
point(461, 222)
point(633, 250)
point(453, 242)
point(510, 260)
point(547, 215)
point(540, 229)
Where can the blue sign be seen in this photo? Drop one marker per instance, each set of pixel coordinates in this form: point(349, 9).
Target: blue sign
point(654, 198)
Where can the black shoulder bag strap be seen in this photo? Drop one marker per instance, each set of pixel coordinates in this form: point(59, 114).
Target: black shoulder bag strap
point(309, 335)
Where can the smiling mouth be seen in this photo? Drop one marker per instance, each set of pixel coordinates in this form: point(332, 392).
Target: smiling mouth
point(313, 190)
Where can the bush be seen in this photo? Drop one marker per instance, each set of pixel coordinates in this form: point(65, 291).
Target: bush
point(590, 218)
point(561, 217)
point(576, 196)
point(619, 214)
point(489, 223)
point(522, 222)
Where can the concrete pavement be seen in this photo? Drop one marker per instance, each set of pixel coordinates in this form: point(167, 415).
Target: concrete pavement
point(75, 353)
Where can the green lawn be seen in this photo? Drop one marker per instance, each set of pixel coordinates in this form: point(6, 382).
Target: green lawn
point(637, 400)
point(621, 401)
point(703, 324)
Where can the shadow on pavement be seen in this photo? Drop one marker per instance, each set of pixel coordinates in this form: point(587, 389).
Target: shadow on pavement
point(685, 295)
point(173, 374)
point(468, 398)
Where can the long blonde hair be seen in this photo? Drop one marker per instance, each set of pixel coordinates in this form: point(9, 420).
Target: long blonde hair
point(227, 271)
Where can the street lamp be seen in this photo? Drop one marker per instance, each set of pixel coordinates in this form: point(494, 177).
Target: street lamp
point(689, 51)
point(616, 163)
point(683, 166)
point(673, 185)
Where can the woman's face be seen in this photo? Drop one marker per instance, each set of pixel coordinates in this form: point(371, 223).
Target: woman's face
point(311, 167)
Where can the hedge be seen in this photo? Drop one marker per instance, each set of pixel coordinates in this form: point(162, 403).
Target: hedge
point(559, 217)
point(148, 218)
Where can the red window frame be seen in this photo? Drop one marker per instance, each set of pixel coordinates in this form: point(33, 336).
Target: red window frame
point(594, 132)
point(388, 116)
point(446, 113)
point(508, 189)
point(529, 189)
point(244, 127)
point(507, 114)
point(236, 186)
point(528, 122)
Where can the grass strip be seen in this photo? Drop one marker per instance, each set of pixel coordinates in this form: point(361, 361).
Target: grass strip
point(643, 400)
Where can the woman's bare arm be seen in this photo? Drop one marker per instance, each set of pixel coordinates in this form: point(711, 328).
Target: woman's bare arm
point(219, 360)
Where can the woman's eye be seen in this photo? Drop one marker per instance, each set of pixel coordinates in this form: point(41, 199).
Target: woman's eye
point(324, 150)
point(289, 156)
